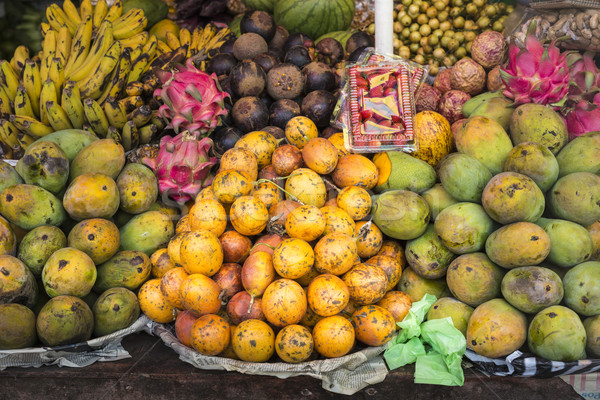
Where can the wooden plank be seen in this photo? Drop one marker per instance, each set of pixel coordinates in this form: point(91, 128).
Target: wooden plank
point(155, 372)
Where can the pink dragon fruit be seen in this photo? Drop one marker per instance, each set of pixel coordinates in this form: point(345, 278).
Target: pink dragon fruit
point(535, 74)
point(192, 99)
point(183, 166)
point(581, 110)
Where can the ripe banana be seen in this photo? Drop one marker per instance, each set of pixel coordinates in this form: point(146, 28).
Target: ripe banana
point(9, 133)
point(25, 140)
point(18, 61)
point(32, 81)
point(57, 18)
point(63, 44)
point(102, 43)
point(6, 107)
point(141, 115)
point(115, 11)
point(47, 94)
point(135, 40)
point(130, 136)
point(56, 74)
point(86, 9)
point(162, 47)
point(45, 28)
point(135, 52)
point(158, 121)
point(71, 102)
point(185, 37)
point(208, 33)
point(100, 10)
point(172, 41)
point(22, 103)
point(71, 11)
point(45, 65)
point(80, 46)
point(135, 88)
point(138, 68)
point(115, 113)
point(57, 116)
point(195, 39)
point(92, 85)
point(30, 125)
point(114, 134)
point(131, 103)
point(129, 24)
point(118, 79)
point(150, 47)
point(8, 78)
point(147, 133)
point(95, 116)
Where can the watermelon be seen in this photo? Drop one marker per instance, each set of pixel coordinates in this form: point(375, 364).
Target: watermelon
point(314, 17)
point(264, 5)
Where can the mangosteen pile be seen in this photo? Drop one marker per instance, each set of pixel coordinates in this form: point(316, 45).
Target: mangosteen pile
point(273, 76)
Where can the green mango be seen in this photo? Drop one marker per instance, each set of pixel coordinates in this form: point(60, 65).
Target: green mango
point(29, 206)
point(46, 165)
point(147, 232)
point(71, 141)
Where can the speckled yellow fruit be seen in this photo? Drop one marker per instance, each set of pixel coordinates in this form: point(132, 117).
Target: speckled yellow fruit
point(338, 141)
point(69, 271)
point(306, 186)
point(305, 222)
point(154, 304)
point(327, 295)
point(97, 237)
point(200, 295)
point(170, 286)
point(373, 325)
point(249, 215)
point(262, 144)
point(335, 254)
point(333, 336)
point(210, 334)
point(240, 159)
point(367, 283)
point(254, 341)
point(338, 221)
point(370, 239)
point(230, 184)
point(201, 253)
point(161, 263)
point(294, 344)
point(208, 214)
point(174, 248)
point(299, 130)
point(284, 302)
point(293, 258)
point(356, 201)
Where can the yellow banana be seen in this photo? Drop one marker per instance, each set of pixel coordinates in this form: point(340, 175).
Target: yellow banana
point(130, 136)
point(150, 85)
point(208, 33)
point(95, 116)
point(30, 125)
point(115, 11)
point(18, 61)
point(92, 85)
point(71, 11)
point(162, 47)
point(45, 28)
point(129, 24)
point(131, 103)
point(217, 40)
point(6, 107)
point(100, 10)
point(22, 103)
point(158, 121)
point(141, 115)
point(195, 40)
point(150, 46)
point(138, 68)
point(63, 45)
point(80, 46)
point(115, 113)
point(56, 74)
point(45, 65)
point(135, 88)
point(172, 41)
point(48, 93)
point(103, 41)
point(25, 140)
point(118, 79)
point(9, 133)
point(57, 18)
point(147, 133)
point(135, 40)
point(135, 52)
point(49, 43)
point(185, 37)
point(57, 116)
point(71, 102)
point(8, 78)
point(32, 81)
point(114, 134)
point(86, 9)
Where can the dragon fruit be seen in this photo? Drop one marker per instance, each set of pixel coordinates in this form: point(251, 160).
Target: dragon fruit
point(192, 99)
point(581, 110)
point(183, 166)
point(535, 74)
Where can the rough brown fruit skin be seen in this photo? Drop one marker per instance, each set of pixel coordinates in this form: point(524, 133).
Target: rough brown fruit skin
point(493, 80)
point(468, 76)
point(489, 49)
point(496, 329)
point(450, 105)
point(285, 81)
point(442, 80)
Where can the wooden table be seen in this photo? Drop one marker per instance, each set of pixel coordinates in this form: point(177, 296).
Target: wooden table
point(155, 372)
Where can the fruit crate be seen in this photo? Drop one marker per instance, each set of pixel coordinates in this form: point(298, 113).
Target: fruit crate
point(104, 348)
point(344, 375)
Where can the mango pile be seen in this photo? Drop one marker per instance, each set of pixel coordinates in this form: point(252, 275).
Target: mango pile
point(504, 231)
point(78, 227)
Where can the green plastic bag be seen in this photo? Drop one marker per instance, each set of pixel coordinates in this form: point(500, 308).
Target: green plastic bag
point(435, 346)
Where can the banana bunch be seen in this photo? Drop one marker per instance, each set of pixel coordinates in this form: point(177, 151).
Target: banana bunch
point(201, 43)
point(86, 76)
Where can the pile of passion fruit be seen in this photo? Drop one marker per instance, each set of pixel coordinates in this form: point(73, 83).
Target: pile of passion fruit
point(273, 76)
point(440, 32)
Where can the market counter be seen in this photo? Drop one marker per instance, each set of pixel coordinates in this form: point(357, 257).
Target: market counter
point(155, 372)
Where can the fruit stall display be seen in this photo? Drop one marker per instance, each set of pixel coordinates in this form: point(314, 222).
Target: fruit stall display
point(192, 173)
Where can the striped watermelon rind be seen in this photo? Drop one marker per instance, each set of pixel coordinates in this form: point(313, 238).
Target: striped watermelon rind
point(264, 5)
point(314, 17)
